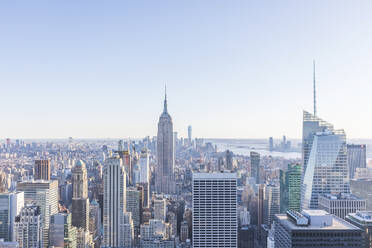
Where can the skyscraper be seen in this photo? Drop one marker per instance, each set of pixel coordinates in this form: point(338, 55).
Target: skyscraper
point(290, 188)
point(324, 161)
point(114, 200)
point(62, 233)
point(229, 160)
point(42, 169)
point(189, 133)
point(255, 166)
point(80, 201)
point(271, 203)
point(144, 166)
point(134, 205)
point(164, 182)
point(214, 216)
point(45, 195)
point(10, 206)
point(356, 158)
point(28, 227)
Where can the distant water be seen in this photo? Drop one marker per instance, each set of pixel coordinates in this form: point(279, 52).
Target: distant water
point(245, 146)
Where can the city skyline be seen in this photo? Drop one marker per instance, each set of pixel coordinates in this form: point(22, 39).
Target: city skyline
point(78, 75)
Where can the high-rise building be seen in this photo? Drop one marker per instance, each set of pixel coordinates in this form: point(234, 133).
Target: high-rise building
point(146, 194)
point(189, 134)
point(156, 233)
point(363, 220)
point(114, 202)
point(44, 194)
point(271, 144)
point(315, 228)
point(290, 188)
point(341, 204)
point(42, 169)
point(144, 166)
point(260, 206)
point(80, 201)
point(95, 220)
point(160, 209)
point(255, 166)
point(324, 157)
point(134, 205)
point(214, 215)
point(356, 158)
point(61, 231)
point(128, 232)
point(229, 160)
point(362, 189)
point(271, 203)
point(10, 206)
point(184, 231)
point(28, 227)
point(164, 182)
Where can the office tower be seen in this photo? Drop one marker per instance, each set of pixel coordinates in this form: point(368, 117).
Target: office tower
point(260, 206)
point(144, 166)
point(61, 231)
point(246, 237)
point(184, 231)
point(42, 169)
point(255, 166)
point(356, 158)
point(271, 203)
point(290, 188)
point(146, 194)
point(164, 182)
point(341, 204)
point(229, 160)
point(214, 215)
point(45, 195)
point(28, 227)
point(134, 205)
point(160, 209)
point(10, 206)
point(315, 228)
point(128, 233)
point(189, 134)
point(271, 144)
point(80, 201)
point(362, 189)
point(95, 219)
point(172, 220)
point(363, 220)
point(114, 199)
point(324, 161)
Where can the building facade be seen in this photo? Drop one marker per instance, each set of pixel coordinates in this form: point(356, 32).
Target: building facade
point(290, 188)
point(10, 206)
point(42, 169)
point(356, 158)
point(255, 166)
point(28, 227)
point(363, 220)
point(341, 204)
point(214, 216)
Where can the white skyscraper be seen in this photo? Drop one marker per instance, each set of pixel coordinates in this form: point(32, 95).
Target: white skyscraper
point(28, 227)
point(214, 216)
point(114, 200)
point(144, 166)
point(272, 203)
point(160, 210)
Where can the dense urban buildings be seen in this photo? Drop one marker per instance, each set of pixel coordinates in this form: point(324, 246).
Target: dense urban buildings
point(341, 204)
point(214, 219)
point(28, 229)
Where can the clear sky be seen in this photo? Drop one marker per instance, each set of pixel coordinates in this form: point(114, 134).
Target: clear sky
point(233, 69)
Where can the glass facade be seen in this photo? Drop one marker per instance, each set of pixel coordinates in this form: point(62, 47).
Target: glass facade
point(324, 161)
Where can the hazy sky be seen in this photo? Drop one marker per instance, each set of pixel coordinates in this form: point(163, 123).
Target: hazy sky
point(236, 69)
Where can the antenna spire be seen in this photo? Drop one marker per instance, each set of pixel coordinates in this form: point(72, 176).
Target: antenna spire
point(165, 100)
point(314, 87)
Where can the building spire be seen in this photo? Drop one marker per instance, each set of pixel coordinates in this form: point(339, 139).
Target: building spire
point(314, 88)
point(165, 101)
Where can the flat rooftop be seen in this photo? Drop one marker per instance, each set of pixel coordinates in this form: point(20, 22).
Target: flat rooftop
point(214, 175)
point(337, 224)
point(340, 197)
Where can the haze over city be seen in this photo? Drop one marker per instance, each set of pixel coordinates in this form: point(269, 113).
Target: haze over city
point(239, 69)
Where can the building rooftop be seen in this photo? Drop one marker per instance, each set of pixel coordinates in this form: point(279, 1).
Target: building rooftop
point(340, 197)
point(315, 221)
point(361, 216)
point(214, 175)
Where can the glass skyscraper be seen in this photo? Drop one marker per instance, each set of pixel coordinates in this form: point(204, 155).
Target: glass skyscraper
point(324, 156)
point(290, 188)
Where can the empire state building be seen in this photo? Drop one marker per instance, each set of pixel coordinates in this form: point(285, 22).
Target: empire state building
point(164, 182)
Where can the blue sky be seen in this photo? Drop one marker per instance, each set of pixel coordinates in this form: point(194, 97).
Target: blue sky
point(233, 69)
